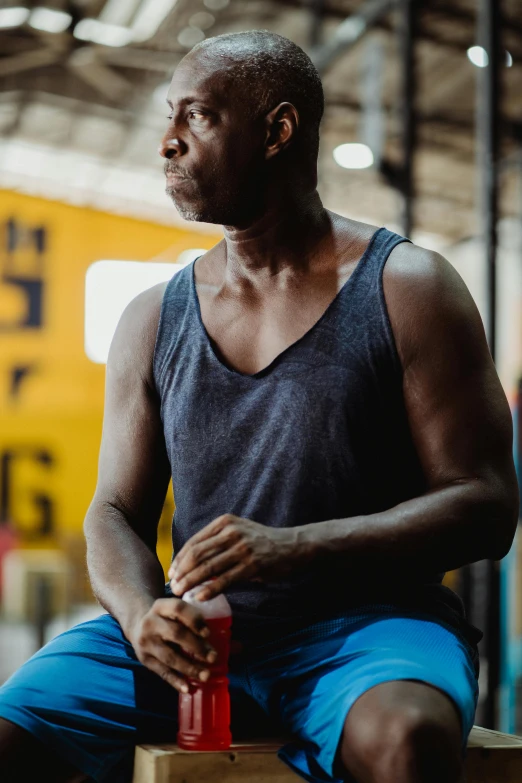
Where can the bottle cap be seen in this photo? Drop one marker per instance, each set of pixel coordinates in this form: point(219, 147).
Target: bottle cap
point(214, 608)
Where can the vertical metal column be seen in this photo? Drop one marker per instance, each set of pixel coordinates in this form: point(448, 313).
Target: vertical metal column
point(487, 596)
point(42, 608)
point(316, 25)
point(407, 30)
point(489, 141)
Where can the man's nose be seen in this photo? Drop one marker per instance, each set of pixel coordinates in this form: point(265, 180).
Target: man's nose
point(172, 148)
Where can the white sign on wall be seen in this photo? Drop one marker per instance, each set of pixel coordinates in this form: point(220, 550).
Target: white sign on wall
point(110, 286)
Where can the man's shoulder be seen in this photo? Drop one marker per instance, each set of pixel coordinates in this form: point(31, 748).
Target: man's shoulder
point(147, 304)
point(132, 347)
point(141, 316)
point(411, 264)
point(419, 278)
point(426, 298)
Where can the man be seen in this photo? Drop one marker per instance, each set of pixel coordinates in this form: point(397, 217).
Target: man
point(323, 394)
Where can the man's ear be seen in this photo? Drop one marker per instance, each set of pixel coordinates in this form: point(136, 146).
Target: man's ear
point(281, 128)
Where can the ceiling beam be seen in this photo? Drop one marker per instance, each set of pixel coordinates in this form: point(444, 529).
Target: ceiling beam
point(27, 61)
point(349, 32)
point(424, 32)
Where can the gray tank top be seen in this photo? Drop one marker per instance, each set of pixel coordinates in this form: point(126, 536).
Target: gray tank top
point(319, 434)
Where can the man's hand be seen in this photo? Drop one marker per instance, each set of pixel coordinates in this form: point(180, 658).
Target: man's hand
point(166, 635)
point(232, 549)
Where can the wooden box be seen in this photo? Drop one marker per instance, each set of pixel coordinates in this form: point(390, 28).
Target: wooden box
point(492, 758)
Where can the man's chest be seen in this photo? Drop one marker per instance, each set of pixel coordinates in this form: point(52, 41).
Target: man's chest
point(249, 332)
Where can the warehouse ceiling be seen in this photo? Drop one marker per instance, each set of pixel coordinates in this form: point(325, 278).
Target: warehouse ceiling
point(83, 86)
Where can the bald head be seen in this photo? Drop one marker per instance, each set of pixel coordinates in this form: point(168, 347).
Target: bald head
point(268, 69)
point(243, 127)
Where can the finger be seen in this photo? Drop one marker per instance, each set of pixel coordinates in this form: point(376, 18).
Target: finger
point(195, 555)
point(206, 553)
point(223, 540)
point(175, 609)
point(214, 567)
point(178, 634)
point(179, 663)
point(207, 532)
point(218, 585)
point(170, 677)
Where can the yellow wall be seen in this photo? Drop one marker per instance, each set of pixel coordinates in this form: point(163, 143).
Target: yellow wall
point(50, 424)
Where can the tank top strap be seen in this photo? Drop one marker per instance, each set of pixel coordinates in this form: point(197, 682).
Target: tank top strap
point(361, 303)
point(179, 285)
point(176, 317)
point(376, 255)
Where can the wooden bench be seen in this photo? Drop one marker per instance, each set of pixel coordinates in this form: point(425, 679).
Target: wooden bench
point(492, 758)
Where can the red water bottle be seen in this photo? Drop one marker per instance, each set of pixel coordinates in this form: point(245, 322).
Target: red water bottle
point(204, 712)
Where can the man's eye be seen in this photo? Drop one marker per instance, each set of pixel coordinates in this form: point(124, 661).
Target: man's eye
point(196, 115)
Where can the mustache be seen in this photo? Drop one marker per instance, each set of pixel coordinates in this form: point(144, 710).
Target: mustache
point(168, 168)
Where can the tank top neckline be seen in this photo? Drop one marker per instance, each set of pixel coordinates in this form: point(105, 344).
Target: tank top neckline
point(290, 348)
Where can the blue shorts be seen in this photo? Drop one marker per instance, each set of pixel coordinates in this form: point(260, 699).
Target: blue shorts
point(87, 696)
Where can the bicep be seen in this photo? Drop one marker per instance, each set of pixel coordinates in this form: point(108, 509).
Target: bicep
point(458, 413)
point(134, 470)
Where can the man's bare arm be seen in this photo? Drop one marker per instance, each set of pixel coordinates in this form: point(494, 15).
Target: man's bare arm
point(121, 524)
point(461, 426)
point(133, 472)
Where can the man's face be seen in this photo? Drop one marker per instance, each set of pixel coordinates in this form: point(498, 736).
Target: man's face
point(213, 147)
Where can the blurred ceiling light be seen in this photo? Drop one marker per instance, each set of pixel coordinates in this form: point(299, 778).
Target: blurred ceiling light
point(190, 36)
point(350, 29)
point(50, 20)
point(202, 19)
point(216, 5)
point(478, 56)
point(149, 17)
point(13, 17)
point(102, 33)
point(118, 11)
point(110, 286)
point(353, 156)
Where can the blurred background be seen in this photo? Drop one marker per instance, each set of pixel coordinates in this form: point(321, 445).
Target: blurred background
point(422, 133)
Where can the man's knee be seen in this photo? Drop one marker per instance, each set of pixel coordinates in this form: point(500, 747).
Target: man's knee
point(403, 744)
point(14, 741)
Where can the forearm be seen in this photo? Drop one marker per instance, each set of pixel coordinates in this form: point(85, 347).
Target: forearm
point(126, 575)
point(442, 530)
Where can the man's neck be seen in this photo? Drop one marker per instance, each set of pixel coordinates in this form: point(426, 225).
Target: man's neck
point(279, 243)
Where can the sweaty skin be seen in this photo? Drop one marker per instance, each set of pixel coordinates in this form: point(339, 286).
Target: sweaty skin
point(282, 261)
